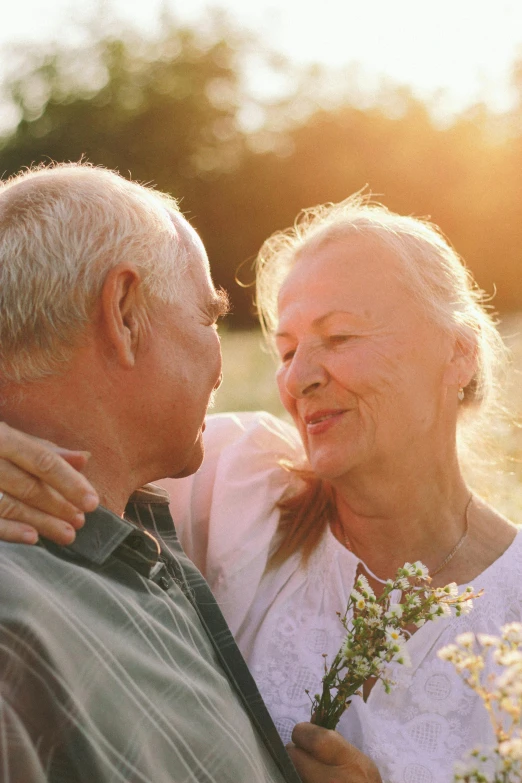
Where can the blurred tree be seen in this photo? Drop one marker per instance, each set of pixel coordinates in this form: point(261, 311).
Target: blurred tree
point(176, 109)
point(163, 109)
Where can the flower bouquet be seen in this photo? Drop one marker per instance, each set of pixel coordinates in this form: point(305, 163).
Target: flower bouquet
point(501, 693)
point(376, 632)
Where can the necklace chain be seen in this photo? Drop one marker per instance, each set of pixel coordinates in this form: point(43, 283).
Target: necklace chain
point(450, 556)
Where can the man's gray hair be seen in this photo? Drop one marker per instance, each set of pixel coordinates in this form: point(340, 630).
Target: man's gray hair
point(62, 228)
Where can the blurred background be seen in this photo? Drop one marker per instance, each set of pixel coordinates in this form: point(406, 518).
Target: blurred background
point(249, 112)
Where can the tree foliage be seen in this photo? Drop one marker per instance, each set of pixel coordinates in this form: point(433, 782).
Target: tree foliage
point(171, 109)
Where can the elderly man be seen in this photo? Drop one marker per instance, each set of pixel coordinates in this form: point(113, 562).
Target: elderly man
point(115, 663)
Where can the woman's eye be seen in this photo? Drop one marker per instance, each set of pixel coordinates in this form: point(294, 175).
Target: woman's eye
point(337, 339)
point(287, 356)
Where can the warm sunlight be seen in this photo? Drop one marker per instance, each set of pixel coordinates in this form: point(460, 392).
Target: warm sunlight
point(461, 48)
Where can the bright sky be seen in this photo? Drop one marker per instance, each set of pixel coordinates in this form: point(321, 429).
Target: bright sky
point(464, 47)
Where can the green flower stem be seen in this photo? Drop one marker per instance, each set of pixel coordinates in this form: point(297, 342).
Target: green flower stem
point(375, 636)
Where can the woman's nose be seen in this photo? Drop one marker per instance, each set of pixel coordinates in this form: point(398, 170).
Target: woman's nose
point(304, 375)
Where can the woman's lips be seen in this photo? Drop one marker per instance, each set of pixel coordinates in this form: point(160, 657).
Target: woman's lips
point(319, 422)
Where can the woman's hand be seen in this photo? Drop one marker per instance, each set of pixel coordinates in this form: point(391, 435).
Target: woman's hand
point(42, 490)
point(324, 756)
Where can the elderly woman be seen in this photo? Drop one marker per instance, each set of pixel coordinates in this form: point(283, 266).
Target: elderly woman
point(384, 348)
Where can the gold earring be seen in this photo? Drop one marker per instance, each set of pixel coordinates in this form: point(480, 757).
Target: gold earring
point(460, 394)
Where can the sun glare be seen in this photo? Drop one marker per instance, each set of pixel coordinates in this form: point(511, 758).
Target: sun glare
point(463, 48)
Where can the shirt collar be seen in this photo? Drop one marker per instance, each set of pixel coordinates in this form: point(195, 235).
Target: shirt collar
point(105, 534)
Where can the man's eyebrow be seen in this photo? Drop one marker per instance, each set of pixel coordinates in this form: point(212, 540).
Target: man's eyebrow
point(219, 305)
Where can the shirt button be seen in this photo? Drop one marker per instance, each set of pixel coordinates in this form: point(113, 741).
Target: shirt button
point(163, 582)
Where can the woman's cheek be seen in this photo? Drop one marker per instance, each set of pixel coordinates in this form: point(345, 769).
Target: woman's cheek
point(286, 399)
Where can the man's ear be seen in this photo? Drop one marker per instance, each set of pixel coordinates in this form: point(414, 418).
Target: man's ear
point(464, 361)
point(122, 312)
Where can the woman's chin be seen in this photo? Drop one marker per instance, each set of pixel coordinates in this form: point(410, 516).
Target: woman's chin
point(327, 468)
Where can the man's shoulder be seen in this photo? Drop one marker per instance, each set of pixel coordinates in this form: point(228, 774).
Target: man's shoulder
point(44, 595)
point(26, 571)
point(15, 558)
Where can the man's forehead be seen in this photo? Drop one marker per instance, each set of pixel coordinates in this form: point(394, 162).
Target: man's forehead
point(187, 233)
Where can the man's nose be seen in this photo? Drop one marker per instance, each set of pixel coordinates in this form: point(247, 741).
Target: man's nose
point(304, 375)
point(219, 381)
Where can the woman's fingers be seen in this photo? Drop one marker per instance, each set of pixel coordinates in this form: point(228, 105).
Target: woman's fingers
point(17, 531)
point(41, 467)
point(18, 519)
point(76, 459)
point(33, 494)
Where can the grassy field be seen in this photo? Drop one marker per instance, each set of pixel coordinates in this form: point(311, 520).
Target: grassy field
point(495, 472)
point(248, 375)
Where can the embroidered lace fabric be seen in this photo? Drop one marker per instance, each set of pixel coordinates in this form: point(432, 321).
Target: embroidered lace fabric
point(285, 620)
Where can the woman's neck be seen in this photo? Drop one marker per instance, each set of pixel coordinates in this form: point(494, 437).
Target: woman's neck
point(389, 522)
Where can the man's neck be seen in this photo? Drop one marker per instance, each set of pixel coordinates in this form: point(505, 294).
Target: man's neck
point(75, 420)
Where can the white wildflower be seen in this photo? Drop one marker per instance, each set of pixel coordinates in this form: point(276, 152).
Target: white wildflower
point(420, 570)
point(374, 635)
point(450, 590)
point(466, 639)
point(465, 607)
point(487, 640)
point(466, 662)
point(346, 647)
point(508, 658)
point(448, 653)
point(409, 569)
point(512, 632)
point(394, 636)
point(395, 610)
point(440, 610)
point(364, 586)
point(361, 665)
point(511, 748)
point(502, 696)
point(403, 657)
point(509, 679)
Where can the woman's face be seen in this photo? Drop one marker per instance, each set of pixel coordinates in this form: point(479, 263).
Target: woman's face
point(364, 375)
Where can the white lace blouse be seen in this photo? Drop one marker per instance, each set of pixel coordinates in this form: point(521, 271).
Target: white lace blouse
point(285, 620)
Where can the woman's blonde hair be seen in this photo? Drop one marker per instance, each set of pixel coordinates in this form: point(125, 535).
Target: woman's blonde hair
point(437, 279)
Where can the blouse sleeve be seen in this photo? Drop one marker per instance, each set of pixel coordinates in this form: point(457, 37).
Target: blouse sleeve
point(225, 514)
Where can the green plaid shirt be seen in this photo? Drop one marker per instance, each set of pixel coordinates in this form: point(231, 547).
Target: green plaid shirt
point(116, 664)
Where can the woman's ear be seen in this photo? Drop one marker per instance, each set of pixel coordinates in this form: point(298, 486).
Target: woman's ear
point(463, 364)
point(122, 305)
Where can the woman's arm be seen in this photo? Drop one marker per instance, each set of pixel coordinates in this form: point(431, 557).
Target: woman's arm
point(42, 489)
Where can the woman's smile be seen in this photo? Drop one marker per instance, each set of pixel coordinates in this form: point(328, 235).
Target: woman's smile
point(323, 420)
